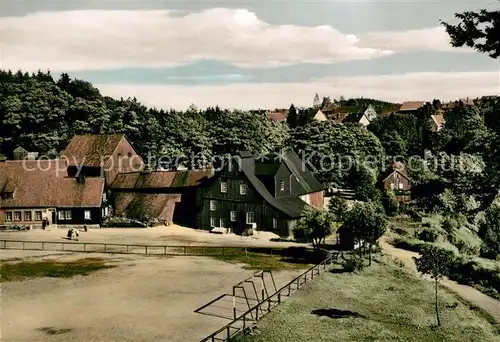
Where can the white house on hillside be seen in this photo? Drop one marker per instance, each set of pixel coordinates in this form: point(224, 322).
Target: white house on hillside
point(368, 116)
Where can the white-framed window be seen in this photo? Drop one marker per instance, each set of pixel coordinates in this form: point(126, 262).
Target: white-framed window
point(393, 186)
point(243, 189)
point(212, 222)
point(8, 217)
point(282, 185)
point(275, 223)
point(250, 217)
point(65, 215)
point(223, 187)
point(213, 205)
point(27, 215)
point(38, 215)
point(87, 214)
point(222, 223)
point(233, 216)
point(17, 216)
point(401, 186)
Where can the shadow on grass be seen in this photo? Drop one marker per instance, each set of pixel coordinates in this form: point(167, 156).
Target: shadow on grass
point(336, 313)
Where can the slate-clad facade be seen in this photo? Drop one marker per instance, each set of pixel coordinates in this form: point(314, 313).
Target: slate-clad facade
point(265, 191)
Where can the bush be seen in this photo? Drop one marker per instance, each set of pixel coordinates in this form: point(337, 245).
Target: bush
point(428, 235)
point(450, 224)
point(353, 264)
point(300, 234)
point(471, 273)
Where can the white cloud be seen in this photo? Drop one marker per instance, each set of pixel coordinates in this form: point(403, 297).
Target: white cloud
point(428, 39)
point(105, 39)
point(396, 88)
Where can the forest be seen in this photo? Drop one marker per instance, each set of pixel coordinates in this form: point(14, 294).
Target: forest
point(456, 172)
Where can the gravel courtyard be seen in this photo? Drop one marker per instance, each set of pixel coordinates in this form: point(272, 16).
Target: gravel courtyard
point(143, 298)
point(172, 235)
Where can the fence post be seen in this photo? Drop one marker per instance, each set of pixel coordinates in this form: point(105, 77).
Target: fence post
point(165, 250)
point(23, 245)
point(244, 322)
point(146, 247)
point(128, 248)
point(5, 244)
point(62, 246)
point(228, 332)
point(279, 297)
point(185, 250)
point(43, 245)
point(84, 247)
point(104, 248)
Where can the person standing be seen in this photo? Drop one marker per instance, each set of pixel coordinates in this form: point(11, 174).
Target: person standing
point(44, 223)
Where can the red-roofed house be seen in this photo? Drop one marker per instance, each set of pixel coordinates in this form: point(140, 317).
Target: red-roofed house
point(277, 114)
point(34, 189)
point(410, 106)
point(101, 155)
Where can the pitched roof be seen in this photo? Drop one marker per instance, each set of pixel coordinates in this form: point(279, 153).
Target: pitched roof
point(20, 149)
point(411, 105)
point(91, 149)
point(160, 179)
point(331, 107)
point(44, 183)
point(395, 167)
point(305, 177)
point(138, 205)
point(438, 119)
point(292, 206)
point(276, 116)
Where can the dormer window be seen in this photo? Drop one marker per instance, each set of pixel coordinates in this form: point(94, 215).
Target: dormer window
point(7, 195)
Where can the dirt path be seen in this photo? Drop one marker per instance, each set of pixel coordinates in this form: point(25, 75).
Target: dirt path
point(473, 296)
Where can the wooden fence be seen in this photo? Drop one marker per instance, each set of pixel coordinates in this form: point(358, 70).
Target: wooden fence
point(251, 316)
point(99, 247)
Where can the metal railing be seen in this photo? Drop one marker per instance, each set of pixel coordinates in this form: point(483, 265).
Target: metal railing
point(115, 248)
point(242, 322)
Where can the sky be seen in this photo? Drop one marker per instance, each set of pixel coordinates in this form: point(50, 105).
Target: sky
point(249, 55)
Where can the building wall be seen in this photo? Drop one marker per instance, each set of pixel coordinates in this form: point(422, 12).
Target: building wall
point(123, 159)
point(77, 216)
point(317, 199)
point(232, 200)
point(394, 181)
point(364, 121)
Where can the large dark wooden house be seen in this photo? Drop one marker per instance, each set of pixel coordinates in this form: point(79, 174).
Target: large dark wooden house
point(269, 193)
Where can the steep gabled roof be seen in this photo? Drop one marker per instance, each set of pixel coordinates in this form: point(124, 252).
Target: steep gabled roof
point(292, 206)
point(397, 167)
point(91, 149)
point(160, 179)
point(438, 119)
point(305, 177)
point(44, 183)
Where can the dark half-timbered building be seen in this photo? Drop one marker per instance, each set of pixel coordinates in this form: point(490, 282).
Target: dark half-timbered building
point(268, 193)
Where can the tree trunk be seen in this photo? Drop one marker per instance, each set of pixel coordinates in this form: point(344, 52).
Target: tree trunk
point(437, 310)
point(369, 255)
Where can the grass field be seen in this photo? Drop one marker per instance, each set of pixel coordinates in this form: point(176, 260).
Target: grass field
point(261, 259)
point(10, 271)
point(381, 303)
